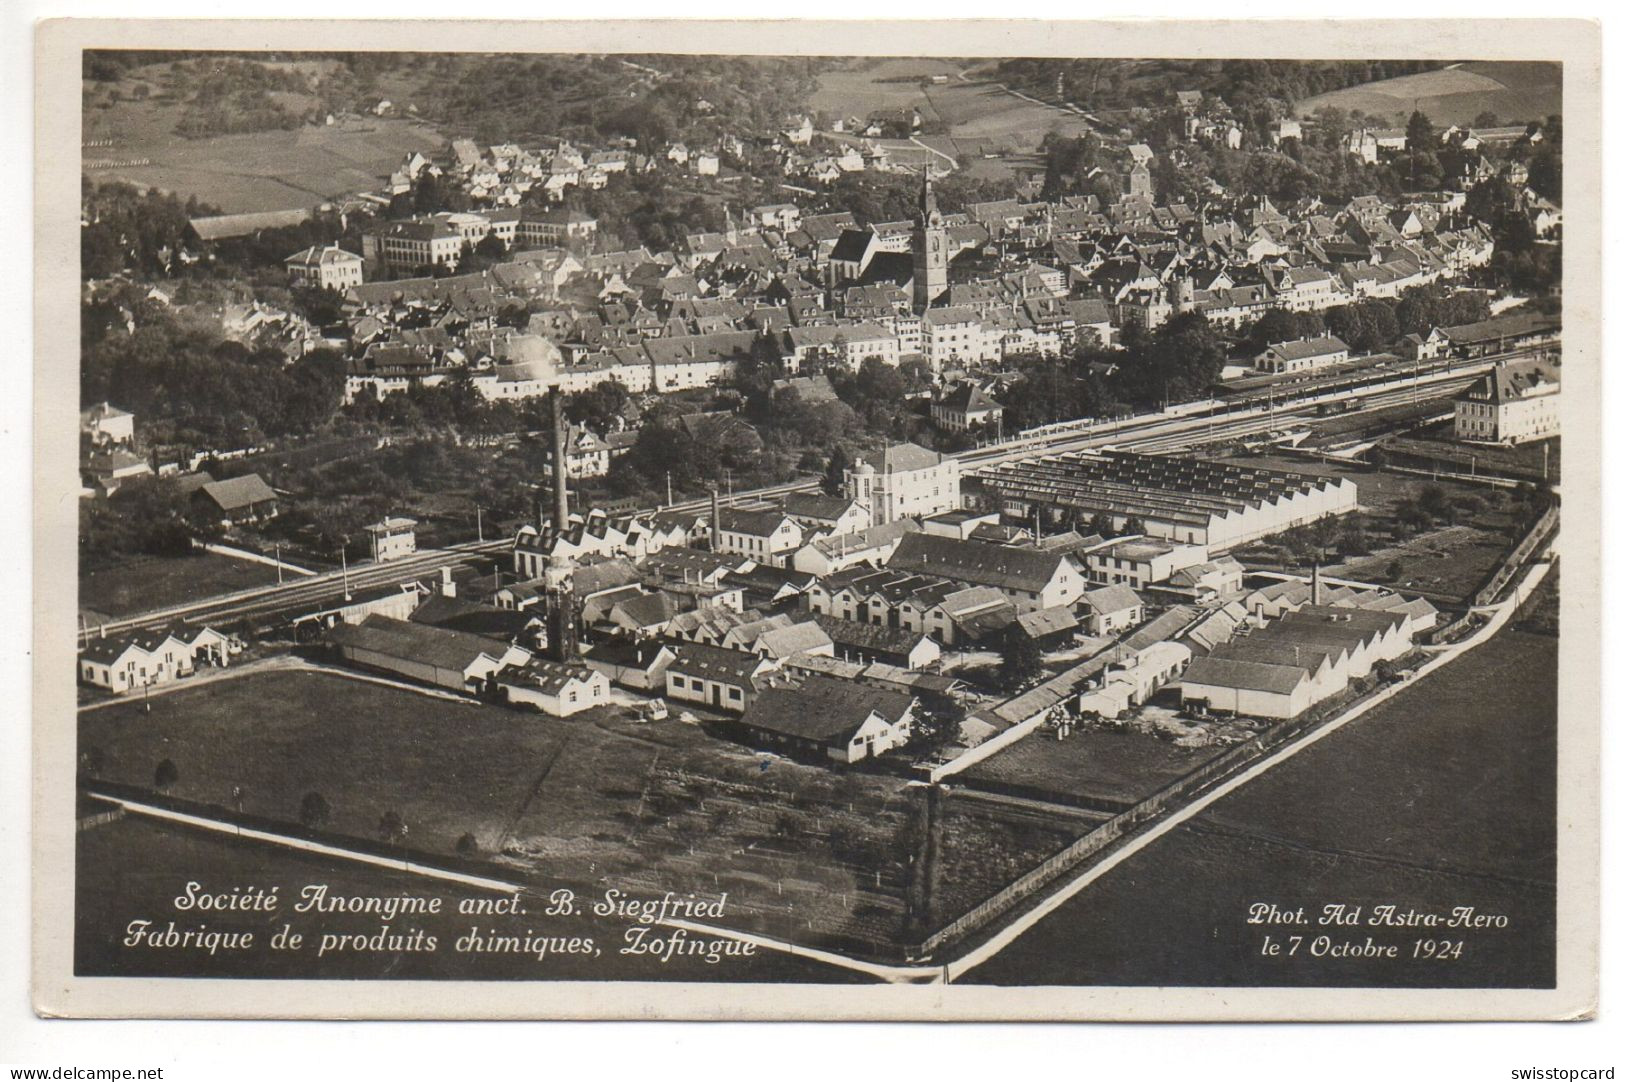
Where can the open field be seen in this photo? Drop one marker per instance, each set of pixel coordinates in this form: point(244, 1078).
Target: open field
point(1117, 767)
point(869, 86)
point(1515, 91)
point(135, 868)
point(156, 582)
point(1412, 805)
point(276, 170)
point(252, 171)
point(967, 116)
point(649, 807)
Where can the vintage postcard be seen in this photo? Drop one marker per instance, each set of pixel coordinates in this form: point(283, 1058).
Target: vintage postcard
point(979, 520)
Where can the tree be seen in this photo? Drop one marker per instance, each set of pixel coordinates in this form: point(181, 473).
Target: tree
point(166, 774)
point(468, 846)
point(1020, 660)
point(1433, 501)
point(932, 730)
point(313, 810)
point(834, 481)
point(1419, 133)
point(391, 827)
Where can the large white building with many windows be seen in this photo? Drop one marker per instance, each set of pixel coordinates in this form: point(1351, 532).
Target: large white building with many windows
point(1512, 403)
point(904, 481)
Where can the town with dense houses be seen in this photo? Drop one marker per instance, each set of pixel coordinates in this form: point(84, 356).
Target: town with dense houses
point(1073, 495)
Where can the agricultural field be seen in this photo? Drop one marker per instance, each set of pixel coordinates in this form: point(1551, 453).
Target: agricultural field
point(802, 850)
point(113, 889)
point(1406, 806)
point(966, 116)
point(239, 173)
point(155, 582)
point(1515, 91)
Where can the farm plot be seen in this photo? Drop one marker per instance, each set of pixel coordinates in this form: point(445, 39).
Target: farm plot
point(597, 800)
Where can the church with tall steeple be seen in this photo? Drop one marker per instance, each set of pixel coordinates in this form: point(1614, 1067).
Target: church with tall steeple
point(930, 249)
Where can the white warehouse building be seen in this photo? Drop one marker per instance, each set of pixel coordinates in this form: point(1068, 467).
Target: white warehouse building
point(1193, 501)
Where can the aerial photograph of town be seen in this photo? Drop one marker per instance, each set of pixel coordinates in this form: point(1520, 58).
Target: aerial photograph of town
point(819, 519)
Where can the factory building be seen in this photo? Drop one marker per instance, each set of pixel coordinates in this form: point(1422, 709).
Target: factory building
point(1193, 501)
point(1296, 661)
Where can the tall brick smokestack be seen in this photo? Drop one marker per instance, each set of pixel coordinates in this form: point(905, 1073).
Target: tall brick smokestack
point(716, 520)
point(561, 482)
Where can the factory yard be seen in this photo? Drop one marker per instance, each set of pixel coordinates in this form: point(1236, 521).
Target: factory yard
point(803, 851)
point(1447, 561)
point(1104, 768)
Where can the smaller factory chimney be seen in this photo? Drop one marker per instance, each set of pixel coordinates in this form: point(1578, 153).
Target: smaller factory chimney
point(561, 484)
point(716, 520)
point(1314, 585)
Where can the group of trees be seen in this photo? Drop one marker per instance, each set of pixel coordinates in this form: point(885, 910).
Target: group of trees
point(1177, 362)
point(191, 386)
point(652, 99)
point(1373, 324)
point(1249, 86)
point(130, 229)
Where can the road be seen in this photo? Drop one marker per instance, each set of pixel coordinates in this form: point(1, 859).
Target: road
point(1168, 431)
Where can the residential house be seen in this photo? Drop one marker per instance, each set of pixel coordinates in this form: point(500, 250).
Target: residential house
point(710, 676)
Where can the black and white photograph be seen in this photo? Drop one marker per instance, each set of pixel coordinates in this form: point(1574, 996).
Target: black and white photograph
point(889, 524)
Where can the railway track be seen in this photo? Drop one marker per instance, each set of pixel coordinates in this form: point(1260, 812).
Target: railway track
point(1220, 422)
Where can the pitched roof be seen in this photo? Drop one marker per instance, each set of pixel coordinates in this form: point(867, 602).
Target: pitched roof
point(1245, 675)
point(1050, 621)
point(873, 637)
point(901, 458)
point(549, 677)
point(647, 610)
point(816, 505)
point(407, 641)
point(1109, 599)
point(238, 492)
point(757, 522)
point(823, 708)
point(716, 663)
point(998, 566)
point(1308, 347)
point(795, 639)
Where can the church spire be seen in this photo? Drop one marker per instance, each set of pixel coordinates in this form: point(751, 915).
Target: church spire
point(928, 198)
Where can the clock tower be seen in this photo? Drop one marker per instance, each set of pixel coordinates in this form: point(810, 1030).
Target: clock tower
point(930, 249)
